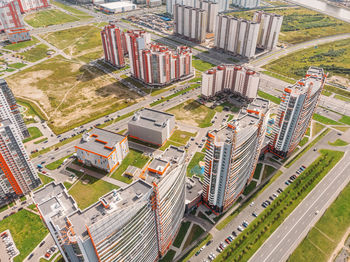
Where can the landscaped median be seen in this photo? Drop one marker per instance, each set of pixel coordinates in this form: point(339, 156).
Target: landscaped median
point(249, 241)
point(54, 165)
point(267, 96)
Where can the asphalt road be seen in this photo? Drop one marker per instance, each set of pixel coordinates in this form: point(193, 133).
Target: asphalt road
point(293, 230)
point(246, 213)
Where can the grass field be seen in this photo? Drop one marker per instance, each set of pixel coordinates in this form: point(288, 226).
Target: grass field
point(268, 170)
point(34, 133)
point(182, 232)
point(327, 232)
point(191, 253)
point(27, 231)
point(20, 45)
point(36, 53)
point(201, 65)
point(178, 138)
point(343, 98)
point(316, 128)
point(197, 157)
point(195, 233)
point(301, 24)
point(48, 17)
point(75, 12)
point(89, 189)
point(134, 158)
point(332, 57)
point(44, 180)
point(193, 113)
point(67, 90)
point(338, 142)
point(248, 242)
point(303, 141)
point(324, 120)
point(249, 188)
point(78, 41)
point(267, 96)
point(257, 171)
point(55, 164)
point(345, 120)
point(169, 256)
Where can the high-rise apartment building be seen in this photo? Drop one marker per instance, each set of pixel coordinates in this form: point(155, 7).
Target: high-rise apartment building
point(232, 154)
point(18, 175)
point(246, 3)
point(11, 22)
point(190, 22)
point(30, 5)
point(160, 66)
point(237, 36)
point(298, 104)
point(212, 11)
point(136, 40)
point(270, 27)
point(114, 45)
point(222, 5)
point(230, 78)
point(135, 223)
point(10, 110)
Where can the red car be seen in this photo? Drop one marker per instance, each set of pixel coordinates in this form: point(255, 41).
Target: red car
point(47, 254)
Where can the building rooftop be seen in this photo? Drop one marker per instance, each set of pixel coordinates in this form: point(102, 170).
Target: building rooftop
point(314, 78)
point(164, 164)
point(100, 141)
point(114, 5)
point(150, 118)
point(194, 188)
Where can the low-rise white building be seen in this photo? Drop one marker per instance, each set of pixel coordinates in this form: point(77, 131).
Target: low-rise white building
point(117, 7)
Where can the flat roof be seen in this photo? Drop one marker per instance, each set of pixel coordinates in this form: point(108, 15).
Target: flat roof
point(314, 79)
point(114, 5)
point(194, 188)
point(100, 141)
point(151, 118)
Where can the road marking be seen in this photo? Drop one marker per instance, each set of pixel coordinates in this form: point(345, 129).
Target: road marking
point(321, 195)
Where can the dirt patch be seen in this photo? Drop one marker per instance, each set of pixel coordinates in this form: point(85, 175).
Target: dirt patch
point(340, 80)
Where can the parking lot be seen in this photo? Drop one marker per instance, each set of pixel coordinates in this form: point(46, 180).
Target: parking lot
point(8, 248)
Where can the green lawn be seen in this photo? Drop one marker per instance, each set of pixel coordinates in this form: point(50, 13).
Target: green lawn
point(268, 170)
point(203, 216)
point(67, 185)
point(324, 120)
point(337, 90)
point(333, 224)
point(201, 65)
point(134, 158)
point(72, 10)
point(345, 120)
point(338, 142)
point(169, 256)
point(303, 141)
point(332, 57)
point(191, 253)
point(316, 128)
point(342, 128)
point(89, 189)
point(34, 133)
point(48, 17)
point(342, 98)
point(249, 188)
point(193, 113)
point(267, 96)
point(181, 136)
point(27, 231)
point(168, 143)
point(31, 109)
point(248, 242)
point(44, 179)
point(195, 233)
point(36, 53)
point(307, 148)
point(257, 171)
point(182, 232)
point(17, 65)
point(278, 76)
point(40, 140)
point(197, 157)
point(54, 165)
point(20, 45)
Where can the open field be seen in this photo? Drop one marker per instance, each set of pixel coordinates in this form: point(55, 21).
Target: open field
point(36, 53)
point(48, 17)
point(75, 12)
point(82, 41)
point(249, 241)
point(68, 90)
point(327, 232)
point(134, 158)
point(301, 24)
point(20, 45)
point(333, 57)
point(201, 65)
point(193, 113)
point(27, 231)
point(197, 157)
point(88, 190)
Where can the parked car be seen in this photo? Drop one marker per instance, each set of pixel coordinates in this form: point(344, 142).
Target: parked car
point(42, 243)
point(254, 214)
